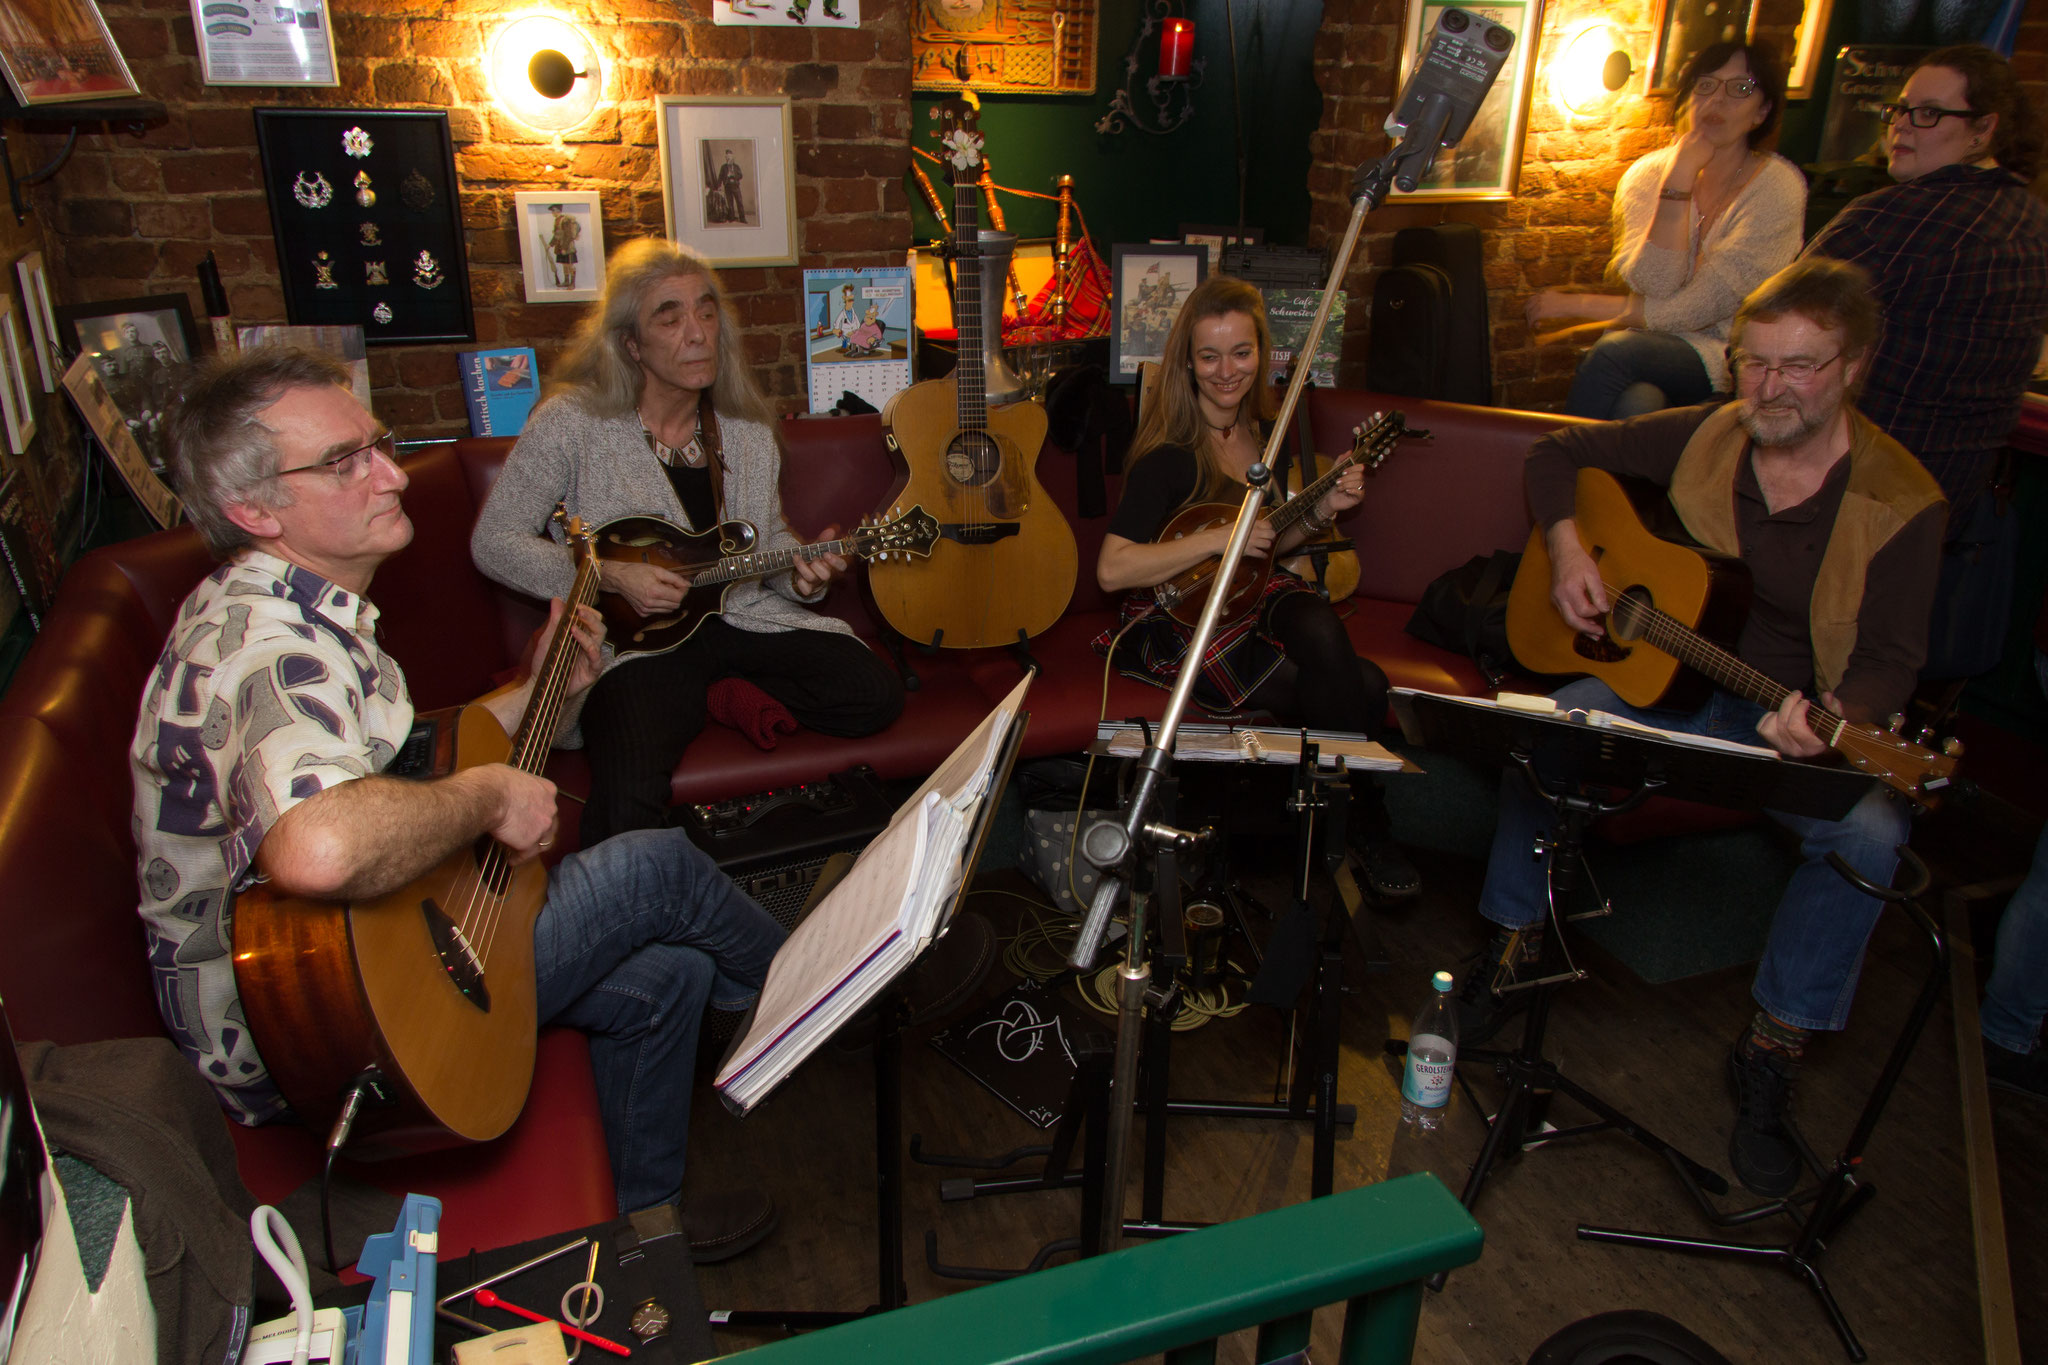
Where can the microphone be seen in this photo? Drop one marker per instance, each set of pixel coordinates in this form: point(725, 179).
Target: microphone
point(1463, 59)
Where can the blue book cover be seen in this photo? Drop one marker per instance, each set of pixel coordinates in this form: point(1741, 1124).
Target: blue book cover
point(500, 388)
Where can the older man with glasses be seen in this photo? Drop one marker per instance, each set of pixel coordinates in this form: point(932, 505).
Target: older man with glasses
point(261, 753)
point(1840, 530)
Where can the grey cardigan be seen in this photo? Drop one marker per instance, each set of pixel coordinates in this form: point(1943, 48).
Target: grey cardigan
point(602, 468)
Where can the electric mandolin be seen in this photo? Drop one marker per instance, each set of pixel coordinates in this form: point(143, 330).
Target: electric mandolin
point(432, 985)
point(715, 559)
point(1668, 603)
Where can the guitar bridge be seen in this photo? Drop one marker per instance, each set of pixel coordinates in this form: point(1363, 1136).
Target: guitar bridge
point(458, 959)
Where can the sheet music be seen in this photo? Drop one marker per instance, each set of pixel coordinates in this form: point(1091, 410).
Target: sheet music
point(1256, 744)
point(963, 777)
point(1605, 720)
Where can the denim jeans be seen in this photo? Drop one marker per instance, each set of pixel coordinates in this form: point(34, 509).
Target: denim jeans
point(2016, 997)
point(638, 934)
point(1815, 953)
point(1627, 374)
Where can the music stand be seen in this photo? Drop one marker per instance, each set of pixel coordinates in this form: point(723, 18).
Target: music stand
point(1574, 765)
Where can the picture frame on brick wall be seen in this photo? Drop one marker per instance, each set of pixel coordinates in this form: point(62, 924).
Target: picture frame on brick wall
point(366, 211)
point(561, 244)
point(140, 347)
point(42, 324)
point(1814, 18)
point(275, 42)
point(728, 177)
point(1148, 284)
point(61, 51)
point(1487, 162)
point(15, 398)
point(786, 13)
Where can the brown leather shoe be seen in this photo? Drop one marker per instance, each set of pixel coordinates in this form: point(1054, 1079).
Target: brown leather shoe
point(724, 1223)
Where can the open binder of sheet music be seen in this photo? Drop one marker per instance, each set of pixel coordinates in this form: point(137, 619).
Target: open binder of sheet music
point(1604, 720)
point(1254, 744)
point(874, 923)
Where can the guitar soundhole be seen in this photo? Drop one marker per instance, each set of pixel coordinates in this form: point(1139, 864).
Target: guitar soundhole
point(458, 959)
point(1630, 615)
point(973, 459)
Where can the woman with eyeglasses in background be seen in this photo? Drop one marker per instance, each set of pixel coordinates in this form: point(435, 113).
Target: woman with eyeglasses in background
point(1697, 226)
point(1958, 258)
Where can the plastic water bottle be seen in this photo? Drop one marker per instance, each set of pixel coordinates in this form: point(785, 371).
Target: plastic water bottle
point(1432, 1053)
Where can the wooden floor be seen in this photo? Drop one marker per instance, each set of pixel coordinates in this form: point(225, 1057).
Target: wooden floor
point(1903, 1269)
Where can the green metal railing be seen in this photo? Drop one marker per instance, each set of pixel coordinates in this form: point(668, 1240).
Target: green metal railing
point(1371, 1248)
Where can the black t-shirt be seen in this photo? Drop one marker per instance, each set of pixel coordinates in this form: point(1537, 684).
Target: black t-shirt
point(1153, 491)
point(693, 489)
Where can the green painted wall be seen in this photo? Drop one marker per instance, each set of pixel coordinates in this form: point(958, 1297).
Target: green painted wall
point(1133, 186)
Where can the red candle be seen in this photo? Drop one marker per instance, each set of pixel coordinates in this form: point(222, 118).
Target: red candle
point(1176, 45)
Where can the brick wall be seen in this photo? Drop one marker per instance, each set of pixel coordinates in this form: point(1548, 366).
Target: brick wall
point(133, 215)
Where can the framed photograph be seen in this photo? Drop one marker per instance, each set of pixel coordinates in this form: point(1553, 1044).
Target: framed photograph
point(139, 347)
point(1686, 26)
point(275, 42)
point(60, 50)
point(1487, 162)
point(16, 400)
point(728, 177)
point(1026, 47)
point(786, 13)
point(42, 326)
point(85, 382)
point(1215, 238)
point(561, 244)
point(1148, 284)
point(364, 207)
point(1812, 33)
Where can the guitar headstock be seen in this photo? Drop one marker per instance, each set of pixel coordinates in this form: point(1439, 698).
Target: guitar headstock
point(913, 533)
point(1919, 774)
point(1374, 439)
point(959, 136)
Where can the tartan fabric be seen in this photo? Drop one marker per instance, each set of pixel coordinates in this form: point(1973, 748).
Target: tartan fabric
point(1241, 655)
point(1087, 307)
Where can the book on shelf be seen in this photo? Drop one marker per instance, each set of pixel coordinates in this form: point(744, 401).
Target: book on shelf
point(1254, 744)
point(500, 388)
point(871, 926)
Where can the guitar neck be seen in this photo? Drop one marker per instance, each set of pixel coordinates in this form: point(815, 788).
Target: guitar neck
point(1728, 672)
point(1300, 505)
point(971, 384)
point(536, 735)
point(733, 568)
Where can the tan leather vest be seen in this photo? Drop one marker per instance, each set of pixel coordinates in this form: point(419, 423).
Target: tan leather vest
point(1887, 488)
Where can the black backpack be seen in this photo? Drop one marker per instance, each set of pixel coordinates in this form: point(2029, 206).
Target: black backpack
point(1466, 612)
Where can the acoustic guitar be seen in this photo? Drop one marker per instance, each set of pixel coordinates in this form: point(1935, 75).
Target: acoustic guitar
point(1669, 604)
point(719, 557)
point(1005, 564)
point(1183, 594)
point(431, 986)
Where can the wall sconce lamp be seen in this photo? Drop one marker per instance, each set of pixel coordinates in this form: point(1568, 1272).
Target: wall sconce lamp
point(1592, 65)
point(1178, 71)
point(544, 72)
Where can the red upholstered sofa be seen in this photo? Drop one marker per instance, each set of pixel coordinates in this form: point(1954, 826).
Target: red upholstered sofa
point(73, 968)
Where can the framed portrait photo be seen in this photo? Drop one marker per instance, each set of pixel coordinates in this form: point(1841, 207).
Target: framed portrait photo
point(728, 177)
point(1686, 26)
point(561, 244)
point(16, 399)
point(42, 325)
point(1808, 38)
point(1487, 162)
point(1148, 284)
point(60, 50)
point(139, 347)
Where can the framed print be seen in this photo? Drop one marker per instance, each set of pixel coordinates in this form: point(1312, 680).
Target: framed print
point(275, 42)
point(1812, 32)
point(369, 229)
point(1148, 284)
point(561, 244)
point(60, 50)
point(1216, 238)
point(1487, 162)
point(728, 177)
point(1020, 47)
point(42, 327)
point(1686, 26)
point(786, 13)
point(139, 347)
point(15, 399)
point(85, 383)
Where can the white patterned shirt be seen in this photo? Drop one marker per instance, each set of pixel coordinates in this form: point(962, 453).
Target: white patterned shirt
point(270, 690)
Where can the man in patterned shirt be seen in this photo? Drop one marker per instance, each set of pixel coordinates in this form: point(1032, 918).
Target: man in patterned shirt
point(259, 754)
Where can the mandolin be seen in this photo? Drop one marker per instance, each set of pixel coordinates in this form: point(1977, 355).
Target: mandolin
point(1005, 564)
point(1183, 594)
point(719, 557)
point(431, 986)
point(1669, 604)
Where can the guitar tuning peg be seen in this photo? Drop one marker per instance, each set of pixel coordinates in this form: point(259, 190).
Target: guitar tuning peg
point(1926, 735)
point(1952, 747)
point(1895, 722)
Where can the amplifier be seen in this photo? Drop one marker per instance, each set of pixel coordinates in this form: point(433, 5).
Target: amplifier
point(772, 843)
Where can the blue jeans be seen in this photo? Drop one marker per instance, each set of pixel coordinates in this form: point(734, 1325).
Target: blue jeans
point(2016, 997)
point(1627, 374)
point(637, 935)
point(1809, 970)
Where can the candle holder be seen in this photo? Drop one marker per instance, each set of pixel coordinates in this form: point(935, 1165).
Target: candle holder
point(1172, 96)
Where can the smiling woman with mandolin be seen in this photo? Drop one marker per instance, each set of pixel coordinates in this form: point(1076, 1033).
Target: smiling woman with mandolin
point(655, 418)
point(1281, 649)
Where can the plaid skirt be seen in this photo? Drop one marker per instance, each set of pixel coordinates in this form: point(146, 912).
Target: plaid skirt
point(1240, 657)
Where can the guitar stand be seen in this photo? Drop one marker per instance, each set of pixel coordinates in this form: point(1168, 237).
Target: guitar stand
point(1532, 1079)
point(1840, 1195)
point(1020, 650)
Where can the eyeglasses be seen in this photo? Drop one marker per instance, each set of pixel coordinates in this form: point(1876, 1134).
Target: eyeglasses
point(1740, 88)
point(1924, 116)
point(355, 466)
point(1750, 370)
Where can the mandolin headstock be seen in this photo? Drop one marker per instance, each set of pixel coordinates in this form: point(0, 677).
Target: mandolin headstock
point(1373, 439)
